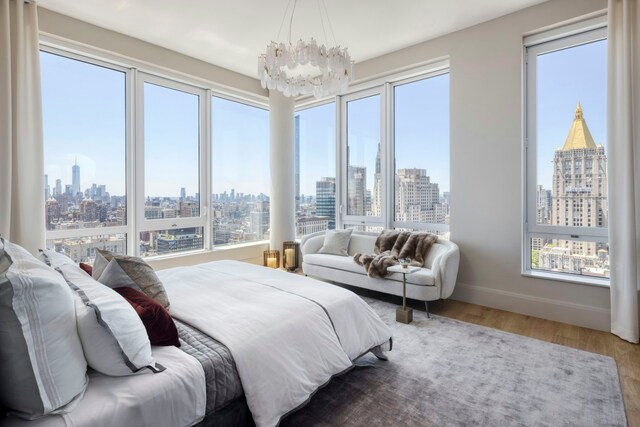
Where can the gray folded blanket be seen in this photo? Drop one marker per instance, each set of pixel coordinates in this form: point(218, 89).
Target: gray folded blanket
point(390, 246)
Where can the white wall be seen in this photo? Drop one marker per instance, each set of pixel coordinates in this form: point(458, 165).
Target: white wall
point(486, 164)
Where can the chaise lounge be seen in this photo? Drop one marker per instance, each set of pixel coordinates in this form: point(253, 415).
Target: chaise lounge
point(435, 280)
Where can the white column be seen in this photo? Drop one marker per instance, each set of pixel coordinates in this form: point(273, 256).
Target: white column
point(281, 160)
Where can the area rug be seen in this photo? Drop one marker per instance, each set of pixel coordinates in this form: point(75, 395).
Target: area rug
point(443, 372)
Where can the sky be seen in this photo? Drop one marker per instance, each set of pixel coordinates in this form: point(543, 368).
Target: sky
point(564, 78)
point(421, 126)
point(84, 119)
point(83, 109)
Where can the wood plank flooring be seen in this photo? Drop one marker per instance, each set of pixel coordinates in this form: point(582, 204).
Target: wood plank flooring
point(626, 355)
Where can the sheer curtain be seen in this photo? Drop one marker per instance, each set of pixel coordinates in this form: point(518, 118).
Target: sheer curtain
point(21, 149)
point(623, 138)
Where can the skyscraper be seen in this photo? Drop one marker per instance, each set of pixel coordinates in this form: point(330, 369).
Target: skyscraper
point(376, 203)
point(296, 141)
point(326, 200)
point(47, 189)
point(75, 178)
point(579, 186)
point(260, 218)
point(579, 199)
point(356, 190)
point(417, 198)
point(58, 189)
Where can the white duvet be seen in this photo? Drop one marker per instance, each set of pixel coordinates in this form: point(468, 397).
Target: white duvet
point(288, 334)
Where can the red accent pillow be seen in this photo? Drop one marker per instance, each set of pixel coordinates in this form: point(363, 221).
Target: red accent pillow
point(87, 268)
point(156, 319)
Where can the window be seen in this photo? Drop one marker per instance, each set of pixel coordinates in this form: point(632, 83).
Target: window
point(421, 142)
point(315, 169)
point(240, 172)
point(85, 141)
point(363, 191)
point(97, 123)
point(169, 216)
point(566, 157)
point(394, 150)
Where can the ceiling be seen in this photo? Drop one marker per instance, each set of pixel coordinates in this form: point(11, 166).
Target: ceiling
point(232, 34)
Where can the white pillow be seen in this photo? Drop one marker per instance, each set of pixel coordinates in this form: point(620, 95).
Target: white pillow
point(336, 242)
point(55, 259)
point(43, 369)
point(113, 337)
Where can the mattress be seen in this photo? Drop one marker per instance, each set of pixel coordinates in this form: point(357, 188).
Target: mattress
point(174, 397)
point(221, 375)
point(289, 335)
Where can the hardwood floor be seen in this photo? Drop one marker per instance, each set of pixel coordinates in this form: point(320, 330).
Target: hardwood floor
point(626, 355)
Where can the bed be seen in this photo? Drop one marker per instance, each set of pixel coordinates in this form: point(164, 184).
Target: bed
point(288, 335)
point(256, 343)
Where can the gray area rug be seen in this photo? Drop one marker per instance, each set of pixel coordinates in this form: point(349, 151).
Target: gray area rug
point(443, 372)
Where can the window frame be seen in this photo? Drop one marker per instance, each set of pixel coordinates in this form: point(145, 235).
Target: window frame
point(439, 227)
point(136, 72)
point(126, 230)
point(144, 224)
point(555, 40)
point(209, 224)
point(342, 179)
point(336, 141)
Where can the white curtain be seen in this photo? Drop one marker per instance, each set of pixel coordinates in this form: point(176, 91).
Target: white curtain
point(22, 218)
point(623, 138)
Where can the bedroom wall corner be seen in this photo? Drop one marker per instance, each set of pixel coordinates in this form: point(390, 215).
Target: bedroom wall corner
point(70, 29)
point(486, 110)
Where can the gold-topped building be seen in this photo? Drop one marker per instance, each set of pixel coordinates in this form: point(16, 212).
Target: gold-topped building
point(579, 199)
point(579, 135)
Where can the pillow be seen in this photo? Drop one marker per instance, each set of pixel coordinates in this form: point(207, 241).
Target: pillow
point(156, 319)
point(113, 337)
point(43, 369)
point(86, 268)
point(336, 242)
point(54, 259)
point(129, 271)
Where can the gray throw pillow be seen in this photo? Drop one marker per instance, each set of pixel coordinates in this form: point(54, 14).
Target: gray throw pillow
point(336, 242)
point(139, 273)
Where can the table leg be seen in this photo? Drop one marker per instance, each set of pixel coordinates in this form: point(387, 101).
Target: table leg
point(404, 291)
point(404, 314)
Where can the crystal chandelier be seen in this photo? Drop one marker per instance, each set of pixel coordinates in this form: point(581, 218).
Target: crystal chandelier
point(305, 68)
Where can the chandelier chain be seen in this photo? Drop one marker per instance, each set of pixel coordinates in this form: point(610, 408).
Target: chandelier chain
point(335, 42)
point(295, 2)
point(284, 16)
point(322, 22)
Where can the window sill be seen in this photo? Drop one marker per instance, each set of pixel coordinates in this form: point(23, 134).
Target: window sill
point(205, 251)
point(565, 277)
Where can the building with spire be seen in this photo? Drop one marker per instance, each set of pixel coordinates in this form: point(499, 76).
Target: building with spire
point(75, 178)
point(579, 199)
point(376, 203)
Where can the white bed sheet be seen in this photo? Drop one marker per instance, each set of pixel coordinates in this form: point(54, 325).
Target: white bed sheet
point(288, 334)
point(174, 397)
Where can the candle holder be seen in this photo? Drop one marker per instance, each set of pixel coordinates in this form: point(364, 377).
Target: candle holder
point(290, 259)
point(272, 258)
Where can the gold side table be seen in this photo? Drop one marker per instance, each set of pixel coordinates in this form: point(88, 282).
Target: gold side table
point(404, 314)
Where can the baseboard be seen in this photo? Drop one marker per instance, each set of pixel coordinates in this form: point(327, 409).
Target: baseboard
point(561, 311)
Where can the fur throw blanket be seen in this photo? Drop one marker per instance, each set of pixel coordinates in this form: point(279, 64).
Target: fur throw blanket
point(390, 246)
